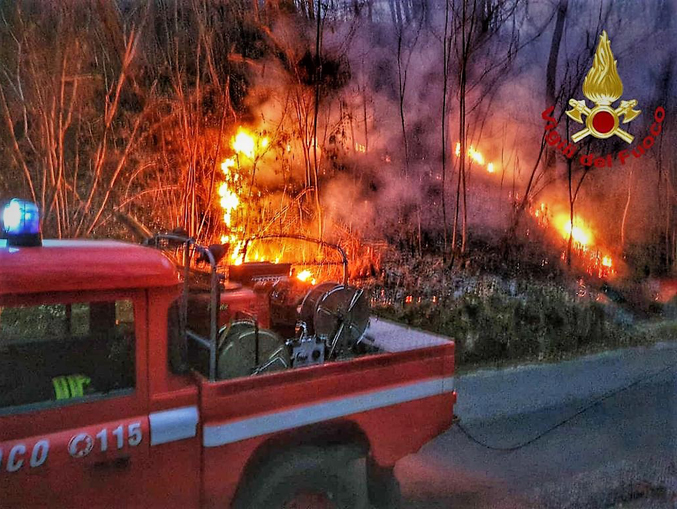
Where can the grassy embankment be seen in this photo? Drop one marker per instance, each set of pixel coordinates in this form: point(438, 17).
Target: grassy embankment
point(541, 324)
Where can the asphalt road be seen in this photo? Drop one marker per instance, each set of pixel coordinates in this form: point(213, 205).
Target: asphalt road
point(621, 452)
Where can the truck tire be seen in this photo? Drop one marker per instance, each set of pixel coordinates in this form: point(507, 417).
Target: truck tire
point(322, 476)
point(382, 486)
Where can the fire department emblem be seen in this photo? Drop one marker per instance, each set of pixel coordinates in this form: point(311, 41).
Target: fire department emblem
point(80, 445)
point(603, 86)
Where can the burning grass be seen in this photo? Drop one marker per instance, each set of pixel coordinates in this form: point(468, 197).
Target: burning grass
point(500, 317)
point(588, 251)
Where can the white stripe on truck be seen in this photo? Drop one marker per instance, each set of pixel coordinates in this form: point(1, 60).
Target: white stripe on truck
point(220, 434)
point(173, 425)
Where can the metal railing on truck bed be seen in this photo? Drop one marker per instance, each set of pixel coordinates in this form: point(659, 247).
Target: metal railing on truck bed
point(190, 247)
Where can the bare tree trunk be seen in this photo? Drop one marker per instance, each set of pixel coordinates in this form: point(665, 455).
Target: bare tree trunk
point(395, 13)
point(402, 87)
point(551, 72)
point(402, 74)
point(571, 211)
point(463, 68)
point(625, 210)
point(364, 118)
point(446, 49)
point(318, 80)
point(573, 195)
point(665, 15)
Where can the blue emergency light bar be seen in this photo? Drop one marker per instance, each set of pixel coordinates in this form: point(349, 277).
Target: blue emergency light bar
point(21, 223)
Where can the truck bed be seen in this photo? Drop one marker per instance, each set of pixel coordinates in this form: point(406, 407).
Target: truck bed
point(377, 397)
point(389, 336)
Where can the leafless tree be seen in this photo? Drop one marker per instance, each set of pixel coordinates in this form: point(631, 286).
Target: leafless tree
point(479, 62)
point(65, 98)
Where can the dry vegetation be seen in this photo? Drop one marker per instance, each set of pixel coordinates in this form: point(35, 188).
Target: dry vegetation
point(114, 111)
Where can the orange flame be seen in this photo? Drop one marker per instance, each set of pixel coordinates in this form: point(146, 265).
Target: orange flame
point(597, 262)
point(249, 145)
point(229, 198)
point(243, 143)
point(233, 190)
point(579, 233)
point(476, 156)
point(306, 276)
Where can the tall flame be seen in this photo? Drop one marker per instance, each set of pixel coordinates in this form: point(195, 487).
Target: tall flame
point(602, 84)
point(248, 147)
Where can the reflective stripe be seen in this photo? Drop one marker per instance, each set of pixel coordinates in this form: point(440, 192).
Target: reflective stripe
point(76, 384)
point(220, 434)
point(173, 425)
point(60, 387)
point(70, 386)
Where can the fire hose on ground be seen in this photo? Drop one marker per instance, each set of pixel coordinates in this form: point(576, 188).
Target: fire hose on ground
point(593, 403)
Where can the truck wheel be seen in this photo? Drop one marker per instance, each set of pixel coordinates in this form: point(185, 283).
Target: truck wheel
point(382, 486)
point(307, 478)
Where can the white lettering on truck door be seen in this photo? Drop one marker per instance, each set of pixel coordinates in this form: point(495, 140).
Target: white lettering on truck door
point(17, 459)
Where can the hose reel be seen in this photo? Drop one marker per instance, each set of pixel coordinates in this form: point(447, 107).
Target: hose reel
point(337, 314)
point(241, 343)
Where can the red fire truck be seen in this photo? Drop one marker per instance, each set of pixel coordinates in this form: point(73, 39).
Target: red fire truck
point(128, 382)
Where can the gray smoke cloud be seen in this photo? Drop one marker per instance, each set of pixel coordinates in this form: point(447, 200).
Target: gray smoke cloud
point(367, 190)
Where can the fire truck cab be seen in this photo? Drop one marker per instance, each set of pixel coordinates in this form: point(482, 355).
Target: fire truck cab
point(105, 403)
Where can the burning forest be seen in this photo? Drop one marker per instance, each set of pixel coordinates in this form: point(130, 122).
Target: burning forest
point(409, 133)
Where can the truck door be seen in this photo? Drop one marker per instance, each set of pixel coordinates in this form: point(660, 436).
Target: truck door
point(73, 400)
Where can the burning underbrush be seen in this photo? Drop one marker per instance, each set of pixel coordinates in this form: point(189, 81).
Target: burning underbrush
point(266, 213)
point(254, 128)
point(536, 292)
point(586, 250)
point(250, 207)
point(526, 306)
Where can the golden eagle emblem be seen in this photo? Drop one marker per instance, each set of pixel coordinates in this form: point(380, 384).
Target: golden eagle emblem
point(603, 87)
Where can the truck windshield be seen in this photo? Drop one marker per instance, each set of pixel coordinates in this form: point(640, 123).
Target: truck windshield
point(61, 353)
